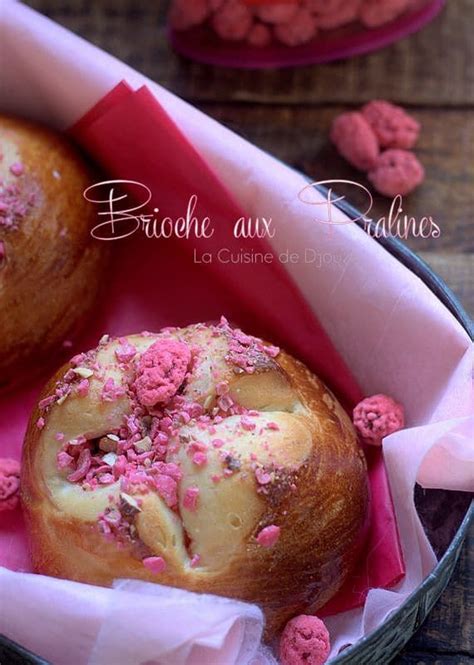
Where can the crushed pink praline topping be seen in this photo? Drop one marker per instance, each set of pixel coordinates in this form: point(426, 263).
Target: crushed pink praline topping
point(247, 424)
point(161, 370)
point(17, 169)
point(15, 203)
point(78, 359)
point(125, 352)
point(64, 460)
point(46, 402)
point(271, 350)
point(167, 488)
point(83, 387)
point(376, 417)
point(83, 466)
point(304, 641)
point(222, 388)
point(200, 458)
point(40, 422)
point(9, 484)
point(195, 561)
point(245, 351)
point(191, 497)
point(133, 455)
point(263, 477)
point(111, 391)
point(155, 564)
point(268, 536)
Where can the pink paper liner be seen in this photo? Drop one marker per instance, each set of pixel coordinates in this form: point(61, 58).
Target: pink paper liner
point(129, 150)
point(203, 45)
point(163, 287)
point(133, 138)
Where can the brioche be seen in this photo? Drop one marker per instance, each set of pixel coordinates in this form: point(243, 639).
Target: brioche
point(50, 267)
point(200, 458)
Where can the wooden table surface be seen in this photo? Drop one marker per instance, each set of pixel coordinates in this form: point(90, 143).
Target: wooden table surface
point(288, 112)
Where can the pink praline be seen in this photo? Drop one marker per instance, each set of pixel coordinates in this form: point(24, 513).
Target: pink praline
point(269, 536)
point(185, 14)
point(396, 173)
point(300, 30)
point(191, 497)
point(304, 641)
point(355, 140)
point(375, 13)
point(200, 459)
point(161, 370)
point(155, 564)
point(17, 169)
point(232, 21)
point(9, 484)
point(376, 417)
point(392, 125)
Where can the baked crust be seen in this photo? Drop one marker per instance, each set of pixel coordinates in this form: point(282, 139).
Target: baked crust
point(51, 270)
point(317, 495)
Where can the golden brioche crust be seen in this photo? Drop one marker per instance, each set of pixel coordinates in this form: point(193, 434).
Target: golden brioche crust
point(314, 485)
point(50, 271)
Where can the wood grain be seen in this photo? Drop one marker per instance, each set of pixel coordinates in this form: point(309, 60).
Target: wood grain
point(429, 658)
point(135, 32)
point(300, 137)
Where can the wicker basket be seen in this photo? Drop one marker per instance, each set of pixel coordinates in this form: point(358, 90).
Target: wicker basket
point(386, 642)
